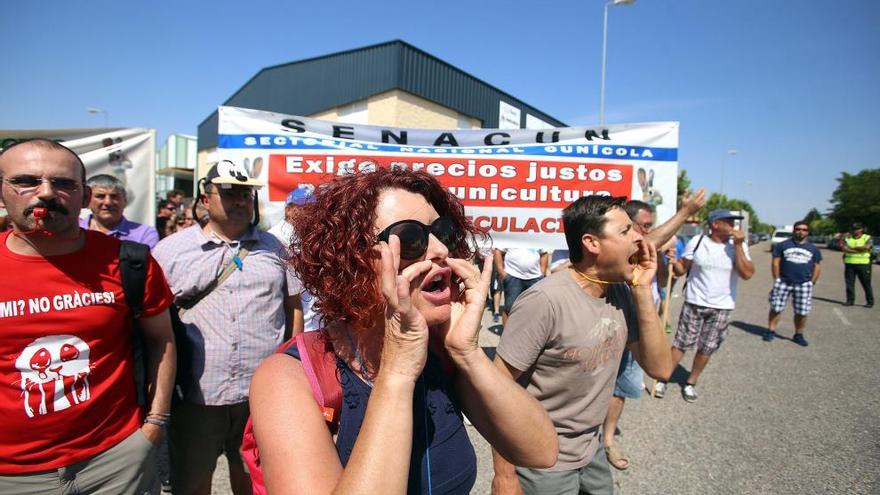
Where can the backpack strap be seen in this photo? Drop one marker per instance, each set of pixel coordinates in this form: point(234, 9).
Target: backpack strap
point(319, 364)
point(133, 272)
point(687, 275)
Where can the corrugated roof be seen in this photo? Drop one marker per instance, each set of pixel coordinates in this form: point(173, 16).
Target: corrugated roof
point(309, 86)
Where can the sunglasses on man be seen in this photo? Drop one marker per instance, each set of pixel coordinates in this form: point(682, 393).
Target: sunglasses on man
point(414, 235)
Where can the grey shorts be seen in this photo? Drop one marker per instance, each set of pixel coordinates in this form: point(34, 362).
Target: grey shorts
point(127, 468)
point(198, 435)
point(593, 479)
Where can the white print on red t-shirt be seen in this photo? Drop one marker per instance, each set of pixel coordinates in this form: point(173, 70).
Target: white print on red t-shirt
point(58, 368)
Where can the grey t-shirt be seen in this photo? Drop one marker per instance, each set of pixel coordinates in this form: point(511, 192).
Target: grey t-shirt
point(569, 344)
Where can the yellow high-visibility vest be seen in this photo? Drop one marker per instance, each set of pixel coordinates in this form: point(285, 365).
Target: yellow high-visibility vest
point(862, 258)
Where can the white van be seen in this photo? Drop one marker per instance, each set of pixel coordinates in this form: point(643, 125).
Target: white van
point(780, 236)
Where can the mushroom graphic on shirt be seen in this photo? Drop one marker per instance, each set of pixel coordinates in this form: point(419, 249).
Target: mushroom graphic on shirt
point(54, 374)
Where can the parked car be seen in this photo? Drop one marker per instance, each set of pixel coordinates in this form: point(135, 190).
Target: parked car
point(753, 238)
point(875, 251)
point(835, 243)
point(818, 239)
point(779, 236)
point(763, 236)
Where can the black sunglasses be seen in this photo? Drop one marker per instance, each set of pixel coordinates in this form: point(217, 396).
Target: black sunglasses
point(414, 236)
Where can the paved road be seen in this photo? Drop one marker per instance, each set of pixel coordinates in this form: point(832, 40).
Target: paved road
point(771, 418)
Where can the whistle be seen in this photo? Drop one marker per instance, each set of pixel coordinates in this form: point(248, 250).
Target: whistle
point(39, 217)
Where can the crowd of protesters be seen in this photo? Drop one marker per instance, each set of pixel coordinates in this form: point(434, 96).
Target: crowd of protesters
point(371, 277)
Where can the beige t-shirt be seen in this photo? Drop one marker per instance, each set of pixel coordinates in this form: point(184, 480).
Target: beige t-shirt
point(569, 344)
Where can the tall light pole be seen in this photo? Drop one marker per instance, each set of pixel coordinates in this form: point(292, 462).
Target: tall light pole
point(723, 163)
point(604, 52)
point(94, 110)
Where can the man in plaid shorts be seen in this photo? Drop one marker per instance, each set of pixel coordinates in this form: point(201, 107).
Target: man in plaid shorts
point(712, 263)
point(796, 267)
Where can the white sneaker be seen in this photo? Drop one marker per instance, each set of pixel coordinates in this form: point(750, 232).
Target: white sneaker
point(689, 392)
point(659, 390)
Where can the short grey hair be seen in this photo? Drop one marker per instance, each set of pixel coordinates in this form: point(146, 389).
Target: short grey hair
point(107, 182)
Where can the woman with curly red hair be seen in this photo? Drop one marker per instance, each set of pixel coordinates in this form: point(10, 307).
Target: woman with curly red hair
point(386, 255)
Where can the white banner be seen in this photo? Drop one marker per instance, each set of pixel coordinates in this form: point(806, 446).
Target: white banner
point(127, 154)
point(514, 183)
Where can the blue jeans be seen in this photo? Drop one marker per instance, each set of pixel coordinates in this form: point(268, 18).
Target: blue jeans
point(513, 287)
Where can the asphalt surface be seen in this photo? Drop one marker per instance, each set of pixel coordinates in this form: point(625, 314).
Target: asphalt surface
point(771, 418)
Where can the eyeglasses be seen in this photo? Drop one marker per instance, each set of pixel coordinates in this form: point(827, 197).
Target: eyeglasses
point(414, 236)
point(27, 184)
point(803, 229)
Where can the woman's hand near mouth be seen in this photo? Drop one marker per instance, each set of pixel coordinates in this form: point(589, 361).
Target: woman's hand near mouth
point(461, 332)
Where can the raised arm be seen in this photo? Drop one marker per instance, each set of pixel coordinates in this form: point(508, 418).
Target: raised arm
point(505, 481)
point(486, 393)
point(297, 451)
point(691, 204)
point(742, 263)
point(651, 350)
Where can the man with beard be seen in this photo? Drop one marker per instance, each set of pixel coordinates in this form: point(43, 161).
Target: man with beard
point(71, 421)
point(107, 204)
point(796, 268)
point(565, 338)
point(239, 298)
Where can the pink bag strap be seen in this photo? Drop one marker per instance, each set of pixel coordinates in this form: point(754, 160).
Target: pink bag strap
point(319, 364)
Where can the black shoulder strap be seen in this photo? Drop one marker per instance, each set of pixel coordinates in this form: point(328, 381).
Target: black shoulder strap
point(133, 271)
point(700, 240)
point(687, 275)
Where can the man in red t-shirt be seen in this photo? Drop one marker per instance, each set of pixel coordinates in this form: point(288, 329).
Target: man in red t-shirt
point(67, 389)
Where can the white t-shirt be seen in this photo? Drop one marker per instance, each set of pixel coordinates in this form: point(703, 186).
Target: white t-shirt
point(522, 263)
point(311, 320)
point(712, 281)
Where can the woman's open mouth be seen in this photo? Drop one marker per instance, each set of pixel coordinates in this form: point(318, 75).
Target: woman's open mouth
point(436, 288)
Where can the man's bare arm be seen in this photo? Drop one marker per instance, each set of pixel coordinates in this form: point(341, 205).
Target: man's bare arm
point(161, 367)
point(690, 206)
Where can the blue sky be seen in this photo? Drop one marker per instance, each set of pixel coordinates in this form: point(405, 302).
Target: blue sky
point(792, 85)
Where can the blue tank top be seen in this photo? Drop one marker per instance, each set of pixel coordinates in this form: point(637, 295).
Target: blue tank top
point(453, 461)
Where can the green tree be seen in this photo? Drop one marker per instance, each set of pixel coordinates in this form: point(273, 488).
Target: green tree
point(717, 201)
point(857, 199)
point(822, 226)
point(812, 216)
point(684, 185)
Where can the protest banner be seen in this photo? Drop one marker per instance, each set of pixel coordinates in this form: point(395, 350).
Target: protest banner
point(514, 183)
point(129, 154)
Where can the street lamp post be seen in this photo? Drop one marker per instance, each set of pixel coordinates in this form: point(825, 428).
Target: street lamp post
point(723, 163)
point(94, 110)
point(604, 56)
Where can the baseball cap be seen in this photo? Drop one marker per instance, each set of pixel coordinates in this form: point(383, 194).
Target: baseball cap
point(721, 214)
point(226, 173)
point(299, 196)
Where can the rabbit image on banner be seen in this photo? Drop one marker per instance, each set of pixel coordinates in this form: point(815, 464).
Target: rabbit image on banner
point(650, 194)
